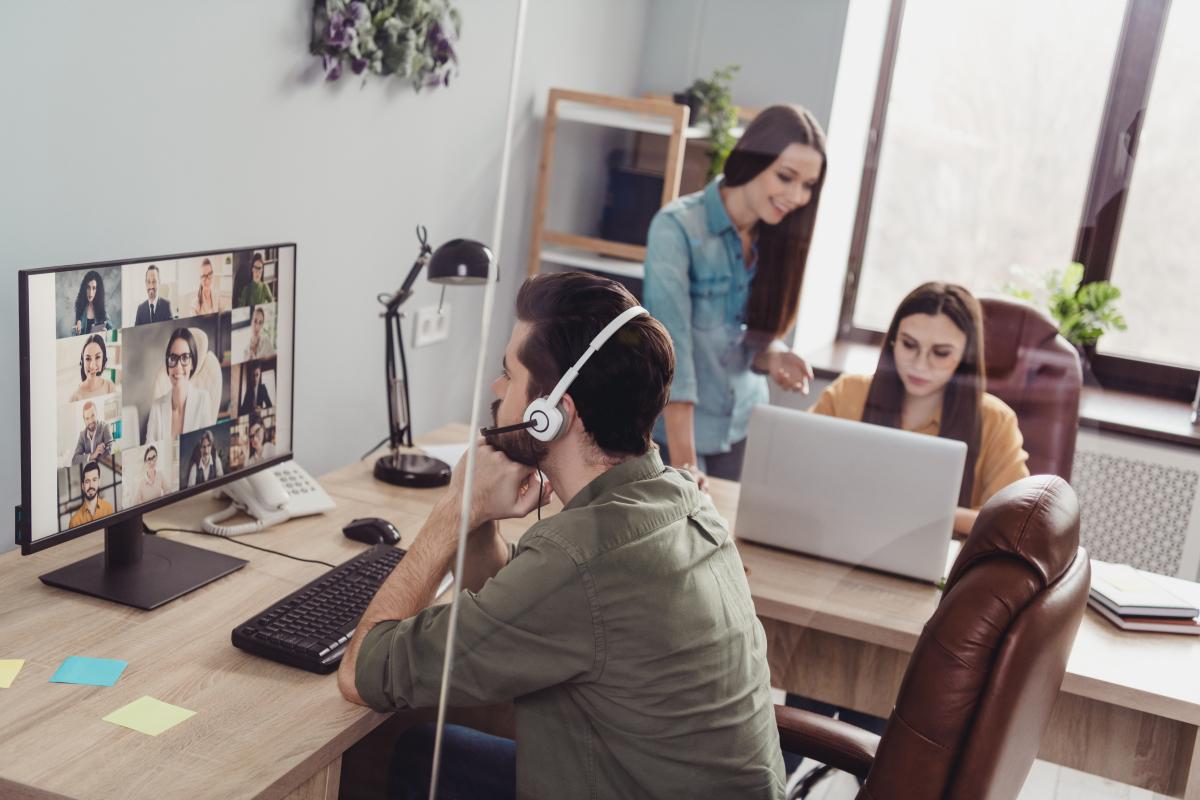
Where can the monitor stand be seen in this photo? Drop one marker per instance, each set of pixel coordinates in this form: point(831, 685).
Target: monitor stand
point(142, 571)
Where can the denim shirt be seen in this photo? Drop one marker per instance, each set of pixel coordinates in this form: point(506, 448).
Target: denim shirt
point(697, 286)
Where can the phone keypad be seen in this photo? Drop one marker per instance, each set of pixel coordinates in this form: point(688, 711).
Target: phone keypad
point(294, 481)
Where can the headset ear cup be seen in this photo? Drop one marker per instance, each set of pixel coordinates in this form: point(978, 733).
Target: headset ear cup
point(548, 418)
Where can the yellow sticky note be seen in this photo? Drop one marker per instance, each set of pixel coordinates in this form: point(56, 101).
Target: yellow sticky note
point(149, 716)
point(9, 667)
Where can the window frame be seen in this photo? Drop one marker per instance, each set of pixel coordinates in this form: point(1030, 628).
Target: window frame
point(1114, 155)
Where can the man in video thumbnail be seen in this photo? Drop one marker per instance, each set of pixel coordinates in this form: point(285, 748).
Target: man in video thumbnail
point(153, 308)
point(94, 506)
point(95, 439)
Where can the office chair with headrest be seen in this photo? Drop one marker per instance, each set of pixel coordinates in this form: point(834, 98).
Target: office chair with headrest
point(982, 680)
point(1036, 372)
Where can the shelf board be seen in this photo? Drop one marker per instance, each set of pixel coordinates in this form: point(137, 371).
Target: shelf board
point(590, 261)
point(628, 120)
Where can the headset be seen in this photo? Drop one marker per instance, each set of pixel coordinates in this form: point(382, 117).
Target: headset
point(544, 418)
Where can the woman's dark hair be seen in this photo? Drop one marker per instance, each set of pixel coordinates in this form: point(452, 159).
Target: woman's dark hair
point(623, 387)
point(186, 335)
point(149, 450)
point(81, 301)
point(253, 375)
point(964, 393)
point(95, 338)
point(195, 459)
point(783, 248)
point(255, 419)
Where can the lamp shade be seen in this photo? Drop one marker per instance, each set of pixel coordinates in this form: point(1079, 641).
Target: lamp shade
point(460, 261)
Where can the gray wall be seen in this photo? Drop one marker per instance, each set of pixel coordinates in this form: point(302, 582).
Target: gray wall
point(788, 49)
point(136, 127)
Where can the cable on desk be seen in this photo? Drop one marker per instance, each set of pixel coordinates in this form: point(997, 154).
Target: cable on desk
point(154, 532)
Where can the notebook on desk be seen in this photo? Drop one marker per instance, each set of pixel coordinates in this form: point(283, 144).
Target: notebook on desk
point(849, 491)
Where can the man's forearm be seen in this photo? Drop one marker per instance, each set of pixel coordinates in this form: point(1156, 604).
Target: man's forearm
point(409, 588)
point(485, 554)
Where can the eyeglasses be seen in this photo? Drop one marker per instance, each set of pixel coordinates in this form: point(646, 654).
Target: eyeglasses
point(174, 360)
point(151, 457)
point(204, 276)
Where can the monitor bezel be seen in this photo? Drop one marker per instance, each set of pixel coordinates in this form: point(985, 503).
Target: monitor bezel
point(24, 534)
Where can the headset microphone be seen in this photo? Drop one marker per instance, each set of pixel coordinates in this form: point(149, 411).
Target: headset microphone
point(520, 426)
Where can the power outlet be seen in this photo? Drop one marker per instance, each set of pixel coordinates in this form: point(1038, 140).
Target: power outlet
point(431, 325)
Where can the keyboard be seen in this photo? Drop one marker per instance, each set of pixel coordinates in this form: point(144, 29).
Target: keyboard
point(310, 627)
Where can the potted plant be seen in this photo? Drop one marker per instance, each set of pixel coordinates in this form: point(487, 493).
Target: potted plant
point(1084, 313)
point(711, 104)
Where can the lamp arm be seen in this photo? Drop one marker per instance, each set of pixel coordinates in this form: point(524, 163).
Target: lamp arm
point(405, 291)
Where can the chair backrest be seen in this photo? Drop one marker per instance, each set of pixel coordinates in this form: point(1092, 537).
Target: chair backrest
point(983, 678)
point(1036, 372)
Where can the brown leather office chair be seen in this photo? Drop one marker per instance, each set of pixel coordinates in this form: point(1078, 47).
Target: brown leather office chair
point(984, 675)
point(1036, 372)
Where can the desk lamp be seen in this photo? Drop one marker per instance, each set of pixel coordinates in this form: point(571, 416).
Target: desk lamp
point(457, 262)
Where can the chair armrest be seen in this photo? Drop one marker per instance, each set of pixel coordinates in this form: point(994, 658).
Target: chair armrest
point(838, 744)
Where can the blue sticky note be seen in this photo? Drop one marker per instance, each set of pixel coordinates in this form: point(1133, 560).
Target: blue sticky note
point(89, 671)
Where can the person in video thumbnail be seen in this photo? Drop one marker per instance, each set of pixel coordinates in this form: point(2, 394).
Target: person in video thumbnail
point(184, 407)
point(205, 466)
point(89, 305)
point(259, 345)
point(206, 301)
point(256, 292)
point(93, 506)
point(153, 484)
point(93, 360)
point(153, 308)
point(260, 448)
point(95, 439)
point(256, 397)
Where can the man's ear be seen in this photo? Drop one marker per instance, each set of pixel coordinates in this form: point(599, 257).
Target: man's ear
point(570, 414)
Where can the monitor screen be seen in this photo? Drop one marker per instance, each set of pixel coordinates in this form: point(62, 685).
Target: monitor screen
point(147, 380)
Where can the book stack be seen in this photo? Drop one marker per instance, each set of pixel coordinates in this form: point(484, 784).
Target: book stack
point(1139, 601)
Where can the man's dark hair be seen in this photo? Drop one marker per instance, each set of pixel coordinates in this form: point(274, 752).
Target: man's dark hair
point(90, 466)
point(623, 387)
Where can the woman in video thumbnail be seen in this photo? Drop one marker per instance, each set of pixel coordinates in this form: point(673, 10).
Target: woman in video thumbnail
point(92, 361)
point(260, 448)
point(259, 345)
point(89, 305)
point(204, 465)
point(153, 484)
point(256, 291)
point(256, 396)
point(184, 407)
point(206, 302)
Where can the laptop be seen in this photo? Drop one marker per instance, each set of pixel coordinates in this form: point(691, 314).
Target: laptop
point(849, 491)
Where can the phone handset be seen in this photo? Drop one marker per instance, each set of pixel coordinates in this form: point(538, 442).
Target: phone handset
point(260, 495)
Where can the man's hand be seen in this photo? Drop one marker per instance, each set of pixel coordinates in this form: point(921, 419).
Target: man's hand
point(789, 371)
point(503, 489)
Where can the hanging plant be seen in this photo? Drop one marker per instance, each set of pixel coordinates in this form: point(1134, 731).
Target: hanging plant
point(411, 39)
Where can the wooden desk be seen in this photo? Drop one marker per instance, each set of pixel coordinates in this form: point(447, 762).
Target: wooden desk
point(1129, 708)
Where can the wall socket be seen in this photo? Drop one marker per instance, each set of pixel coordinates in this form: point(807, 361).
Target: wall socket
point(431, 325)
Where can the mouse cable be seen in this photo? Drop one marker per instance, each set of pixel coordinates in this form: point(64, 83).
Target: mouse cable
point(153, 532)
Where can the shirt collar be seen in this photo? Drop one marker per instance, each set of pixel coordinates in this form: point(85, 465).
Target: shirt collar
point(714, 209)
point(639, 468)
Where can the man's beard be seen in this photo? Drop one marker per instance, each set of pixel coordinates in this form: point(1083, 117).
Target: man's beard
point(519, 446)
point(90, 494)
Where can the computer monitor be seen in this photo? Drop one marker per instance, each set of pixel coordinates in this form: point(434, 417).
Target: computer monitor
point(145, 381)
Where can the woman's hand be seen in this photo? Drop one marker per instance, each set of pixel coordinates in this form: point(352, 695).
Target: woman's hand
point(789, 371)
point(698, 476)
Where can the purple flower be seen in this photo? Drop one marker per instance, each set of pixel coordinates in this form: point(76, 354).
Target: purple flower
point(339, 36)
point(333, 67)
point(357, 65)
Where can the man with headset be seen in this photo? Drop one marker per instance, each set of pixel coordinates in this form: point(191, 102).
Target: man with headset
point(622, 627)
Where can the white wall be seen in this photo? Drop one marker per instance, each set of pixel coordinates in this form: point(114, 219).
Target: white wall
point(136, 127)
point(788, 49)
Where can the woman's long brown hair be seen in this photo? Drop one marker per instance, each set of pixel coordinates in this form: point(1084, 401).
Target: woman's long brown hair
point(964, 393)
point(782, 248)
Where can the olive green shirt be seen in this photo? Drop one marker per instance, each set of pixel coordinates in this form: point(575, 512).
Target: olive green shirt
point(623, 630)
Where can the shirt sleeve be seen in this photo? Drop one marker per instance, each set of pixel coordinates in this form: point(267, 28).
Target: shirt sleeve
point(529, 627)
point(666, 293)
point(1002, 456)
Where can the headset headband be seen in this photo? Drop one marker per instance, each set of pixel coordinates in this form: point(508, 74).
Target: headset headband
point(603, 336)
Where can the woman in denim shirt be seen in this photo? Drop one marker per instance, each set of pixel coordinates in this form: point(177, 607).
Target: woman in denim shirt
point(723, 274)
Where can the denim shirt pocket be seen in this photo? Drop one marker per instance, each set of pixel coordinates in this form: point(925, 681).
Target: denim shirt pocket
point(710, 299)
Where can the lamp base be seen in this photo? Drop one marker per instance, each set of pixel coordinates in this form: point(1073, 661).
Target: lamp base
point(412, 470)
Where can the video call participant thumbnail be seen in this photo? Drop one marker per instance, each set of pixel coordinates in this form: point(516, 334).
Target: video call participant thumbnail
point(153, 482)
point(93, 360)
point(95, 440)
point(256, 292)
point(153, 308)
point(204, 464)
point(621, 628)
point(255, 397)
point(93, 506)
point(90, 311)
point(206, 299)
point(184, 407)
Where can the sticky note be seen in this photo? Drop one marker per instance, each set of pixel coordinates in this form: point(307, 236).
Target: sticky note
point(89, 671)
point(9, 667)
point(149, 716)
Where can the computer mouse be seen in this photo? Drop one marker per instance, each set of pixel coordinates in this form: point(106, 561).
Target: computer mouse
point(372, 530)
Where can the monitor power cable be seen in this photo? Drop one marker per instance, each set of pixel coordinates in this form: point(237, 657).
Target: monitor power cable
point(153, 532)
